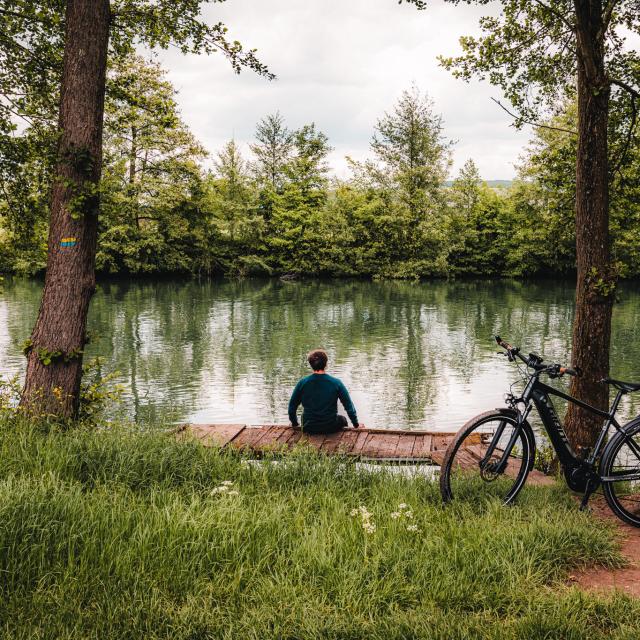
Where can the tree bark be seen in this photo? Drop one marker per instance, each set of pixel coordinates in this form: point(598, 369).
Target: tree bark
point(595, 277)
point(133, 153)
point(54, 366)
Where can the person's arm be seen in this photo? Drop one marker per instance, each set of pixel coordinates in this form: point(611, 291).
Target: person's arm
point(294, 403)
point(345, 399)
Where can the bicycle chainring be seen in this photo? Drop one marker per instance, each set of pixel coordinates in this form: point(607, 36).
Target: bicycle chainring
point(576, 478)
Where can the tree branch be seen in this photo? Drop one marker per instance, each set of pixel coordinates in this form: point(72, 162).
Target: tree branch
point(556, 13)
point(606, 16)
point(629, 138)
point(534, 124)
point(627, 87)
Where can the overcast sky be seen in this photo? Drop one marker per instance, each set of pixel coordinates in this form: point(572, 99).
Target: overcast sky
point(342, 64)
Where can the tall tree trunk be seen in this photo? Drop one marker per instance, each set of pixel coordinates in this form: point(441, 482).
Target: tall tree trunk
point(54, 366)
point(595, 277)
point(133, 153)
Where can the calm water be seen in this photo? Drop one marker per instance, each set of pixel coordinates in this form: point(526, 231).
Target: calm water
point(418, 355)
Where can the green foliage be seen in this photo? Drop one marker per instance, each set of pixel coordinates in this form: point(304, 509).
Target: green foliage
point(117, 533)
point(31, 52)
point(278, 211)
point(151, 220)
point(99, 392)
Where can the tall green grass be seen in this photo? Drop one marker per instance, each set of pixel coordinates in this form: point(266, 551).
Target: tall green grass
point(123, 534)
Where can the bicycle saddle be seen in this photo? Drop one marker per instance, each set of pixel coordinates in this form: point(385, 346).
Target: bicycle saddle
point(623, 386)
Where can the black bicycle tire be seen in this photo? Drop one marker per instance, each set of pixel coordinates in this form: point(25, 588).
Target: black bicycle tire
point(606, 468)
point(470, 425)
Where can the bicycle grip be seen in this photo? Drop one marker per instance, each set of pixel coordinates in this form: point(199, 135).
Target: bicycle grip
point(569, 371)
point(503, 344)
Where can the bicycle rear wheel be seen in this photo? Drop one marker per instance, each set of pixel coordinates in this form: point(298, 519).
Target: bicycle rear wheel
point(620, 470)
point(475, 465)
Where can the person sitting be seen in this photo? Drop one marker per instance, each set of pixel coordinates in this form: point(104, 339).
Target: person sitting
point(319, 394)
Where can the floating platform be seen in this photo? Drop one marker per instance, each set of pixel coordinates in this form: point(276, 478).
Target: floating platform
point(366, 444)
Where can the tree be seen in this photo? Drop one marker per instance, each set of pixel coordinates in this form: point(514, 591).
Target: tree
point(151, 172)
point(233, 206)
point(292, 232)
point(473, 218)
point(272, 150)
point(539, 53)
point(411, 162)
point(465, 190)
point(54, 352)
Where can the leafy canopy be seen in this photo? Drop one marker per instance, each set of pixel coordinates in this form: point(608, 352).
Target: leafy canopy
point(529, 49)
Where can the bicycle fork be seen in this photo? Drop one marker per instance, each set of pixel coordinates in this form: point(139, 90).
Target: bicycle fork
point(500, 466)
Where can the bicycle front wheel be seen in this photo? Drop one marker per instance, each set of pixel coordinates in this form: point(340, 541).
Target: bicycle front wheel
point(477, 463)
point(620, 473)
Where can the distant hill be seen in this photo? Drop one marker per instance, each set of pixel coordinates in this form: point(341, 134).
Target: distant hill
point(499, 183)
point(495, 184)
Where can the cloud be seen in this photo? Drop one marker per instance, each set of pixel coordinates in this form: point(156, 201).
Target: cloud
point(342, 64)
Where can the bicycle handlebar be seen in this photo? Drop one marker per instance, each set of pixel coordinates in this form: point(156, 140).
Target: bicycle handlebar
point(535, 362)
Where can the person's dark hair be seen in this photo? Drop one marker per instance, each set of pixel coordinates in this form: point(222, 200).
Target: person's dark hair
point(317, 359)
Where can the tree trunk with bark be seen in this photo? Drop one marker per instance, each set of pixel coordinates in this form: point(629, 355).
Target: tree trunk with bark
point(595, 276)
point(54, 352)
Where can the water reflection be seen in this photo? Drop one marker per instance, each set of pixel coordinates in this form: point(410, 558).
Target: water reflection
point(417, 355)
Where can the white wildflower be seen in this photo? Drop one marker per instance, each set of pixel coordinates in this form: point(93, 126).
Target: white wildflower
point(402, 506)
point(408, 514)
point(412, 527)
point(233, 493)
point(365, 518)
point(226, 483)
point(395, 515)
point(220, 489)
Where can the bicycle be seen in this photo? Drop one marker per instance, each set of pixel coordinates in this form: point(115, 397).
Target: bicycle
point(496, 449)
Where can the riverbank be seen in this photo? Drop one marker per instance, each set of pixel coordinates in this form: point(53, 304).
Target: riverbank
point(120, 533)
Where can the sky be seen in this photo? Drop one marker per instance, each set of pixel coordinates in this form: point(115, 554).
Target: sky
point(342, 64)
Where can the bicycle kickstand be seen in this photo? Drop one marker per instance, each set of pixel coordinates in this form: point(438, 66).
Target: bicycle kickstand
point(590, 488)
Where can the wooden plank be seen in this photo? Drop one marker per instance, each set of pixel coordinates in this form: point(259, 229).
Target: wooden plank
point(332, 442)
point(380, 446)
point(270, 438)
point(314, 439)
point(220, 435)
point(440, 442)
point(403, 432)
point(405, 446)
point(348, 441)
point(369, 448)
point(372, 443)
point(294, 439)
point(248, 437)
point(388, 445)
point(422, 447)
point(285, 436)
point(361, 440)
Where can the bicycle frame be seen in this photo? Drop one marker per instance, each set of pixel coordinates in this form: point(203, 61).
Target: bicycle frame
point(539, 393)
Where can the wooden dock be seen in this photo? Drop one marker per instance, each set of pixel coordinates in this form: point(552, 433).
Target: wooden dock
point(365, 444)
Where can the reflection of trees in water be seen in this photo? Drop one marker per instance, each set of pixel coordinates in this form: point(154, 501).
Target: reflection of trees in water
point(182, 345)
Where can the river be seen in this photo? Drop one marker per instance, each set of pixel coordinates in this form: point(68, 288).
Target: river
point(414, 355)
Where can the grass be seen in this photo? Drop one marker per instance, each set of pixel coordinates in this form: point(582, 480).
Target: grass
point(124, 534)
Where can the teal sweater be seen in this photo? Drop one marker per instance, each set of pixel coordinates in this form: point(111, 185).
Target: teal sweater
point(319, 394)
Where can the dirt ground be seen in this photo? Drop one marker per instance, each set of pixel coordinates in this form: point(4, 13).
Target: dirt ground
point(626, 579)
